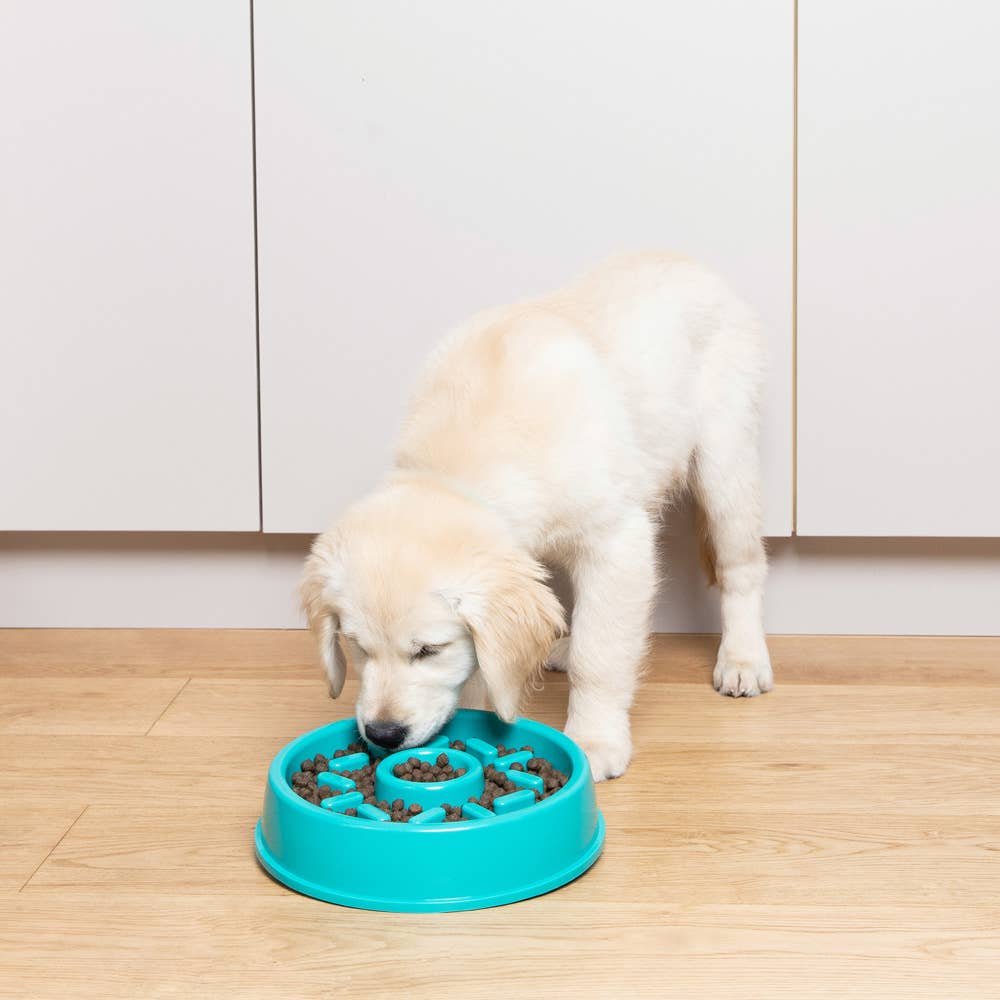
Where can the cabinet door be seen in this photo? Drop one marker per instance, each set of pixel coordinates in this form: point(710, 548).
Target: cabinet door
point(417, 162)
point(127, 354)
point(899, 244)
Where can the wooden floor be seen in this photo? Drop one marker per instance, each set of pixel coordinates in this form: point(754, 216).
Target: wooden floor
point(839, 837)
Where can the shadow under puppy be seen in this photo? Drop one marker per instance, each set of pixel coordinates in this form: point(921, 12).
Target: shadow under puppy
point(552, 430)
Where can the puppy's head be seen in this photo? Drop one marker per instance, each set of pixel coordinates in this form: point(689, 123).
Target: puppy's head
point(423, 588)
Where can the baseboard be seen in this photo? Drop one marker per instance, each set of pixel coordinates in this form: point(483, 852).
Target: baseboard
point(831, 586)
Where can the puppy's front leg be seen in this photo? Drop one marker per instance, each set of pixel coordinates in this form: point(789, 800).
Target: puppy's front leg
point(614, 580)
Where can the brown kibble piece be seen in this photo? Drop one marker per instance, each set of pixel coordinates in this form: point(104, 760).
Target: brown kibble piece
point(416, 808)
point(442, 759)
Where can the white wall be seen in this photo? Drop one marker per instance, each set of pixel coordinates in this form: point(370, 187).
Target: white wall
point(417, 163)
point(898, 242)
point(867, 586)
point(128, 385)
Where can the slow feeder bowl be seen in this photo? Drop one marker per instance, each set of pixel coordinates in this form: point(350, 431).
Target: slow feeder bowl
point(521, 848)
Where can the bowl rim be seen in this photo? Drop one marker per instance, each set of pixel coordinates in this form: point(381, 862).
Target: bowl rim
point(579, 776)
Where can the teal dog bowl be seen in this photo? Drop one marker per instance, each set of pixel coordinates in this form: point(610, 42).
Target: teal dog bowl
point(518, 849)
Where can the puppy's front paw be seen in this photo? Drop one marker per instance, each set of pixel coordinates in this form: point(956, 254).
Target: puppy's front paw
point(609, 757)
point(607, 760)
point(743, 676)
point(558, 658)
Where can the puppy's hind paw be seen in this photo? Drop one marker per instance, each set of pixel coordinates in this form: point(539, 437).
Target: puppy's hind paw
point(743, 677)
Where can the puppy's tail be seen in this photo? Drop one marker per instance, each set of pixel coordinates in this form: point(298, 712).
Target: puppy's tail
point(705, 546)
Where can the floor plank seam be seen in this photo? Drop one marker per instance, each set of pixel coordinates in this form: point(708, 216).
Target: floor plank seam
point(166, 708)
point(53, 849)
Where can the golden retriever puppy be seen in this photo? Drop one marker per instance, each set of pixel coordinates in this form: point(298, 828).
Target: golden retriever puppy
point(552, 431)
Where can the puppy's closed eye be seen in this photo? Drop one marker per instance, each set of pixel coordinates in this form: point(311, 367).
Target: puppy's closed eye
point(425, 651)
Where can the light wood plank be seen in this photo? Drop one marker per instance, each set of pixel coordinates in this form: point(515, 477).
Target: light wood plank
point(797, 778)
point(29, 829)
point(159, 848)
point(681, 713)
point(559, 946)
point(126, 770)
point(856, 659)
point(723, 858)
point(833, 860)
point(30, 652)
point(254, 708)
point(65, 706)
point(869, 713)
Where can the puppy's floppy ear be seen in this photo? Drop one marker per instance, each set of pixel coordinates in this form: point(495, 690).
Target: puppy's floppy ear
point(514, 618)
point(323, 619)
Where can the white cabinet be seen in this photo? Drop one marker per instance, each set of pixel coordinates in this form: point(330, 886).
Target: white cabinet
point(898, 253)
point(417, 162)
point(127, 348)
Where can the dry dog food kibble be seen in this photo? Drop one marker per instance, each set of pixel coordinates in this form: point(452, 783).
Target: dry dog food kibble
point(415, 769)
point(305, 781)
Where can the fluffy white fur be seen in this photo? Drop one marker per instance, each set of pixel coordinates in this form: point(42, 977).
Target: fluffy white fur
point(553, 431)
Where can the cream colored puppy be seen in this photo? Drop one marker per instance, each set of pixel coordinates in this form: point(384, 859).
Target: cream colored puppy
point(552, 430)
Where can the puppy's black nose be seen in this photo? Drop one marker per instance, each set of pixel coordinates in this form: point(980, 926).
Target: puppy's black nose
point(386, 734)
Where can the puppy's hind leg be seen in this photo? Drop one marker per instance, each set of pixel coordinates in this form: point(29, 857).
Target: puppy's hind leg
point(614, 579)
point(726, 486)
point(558, 659)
